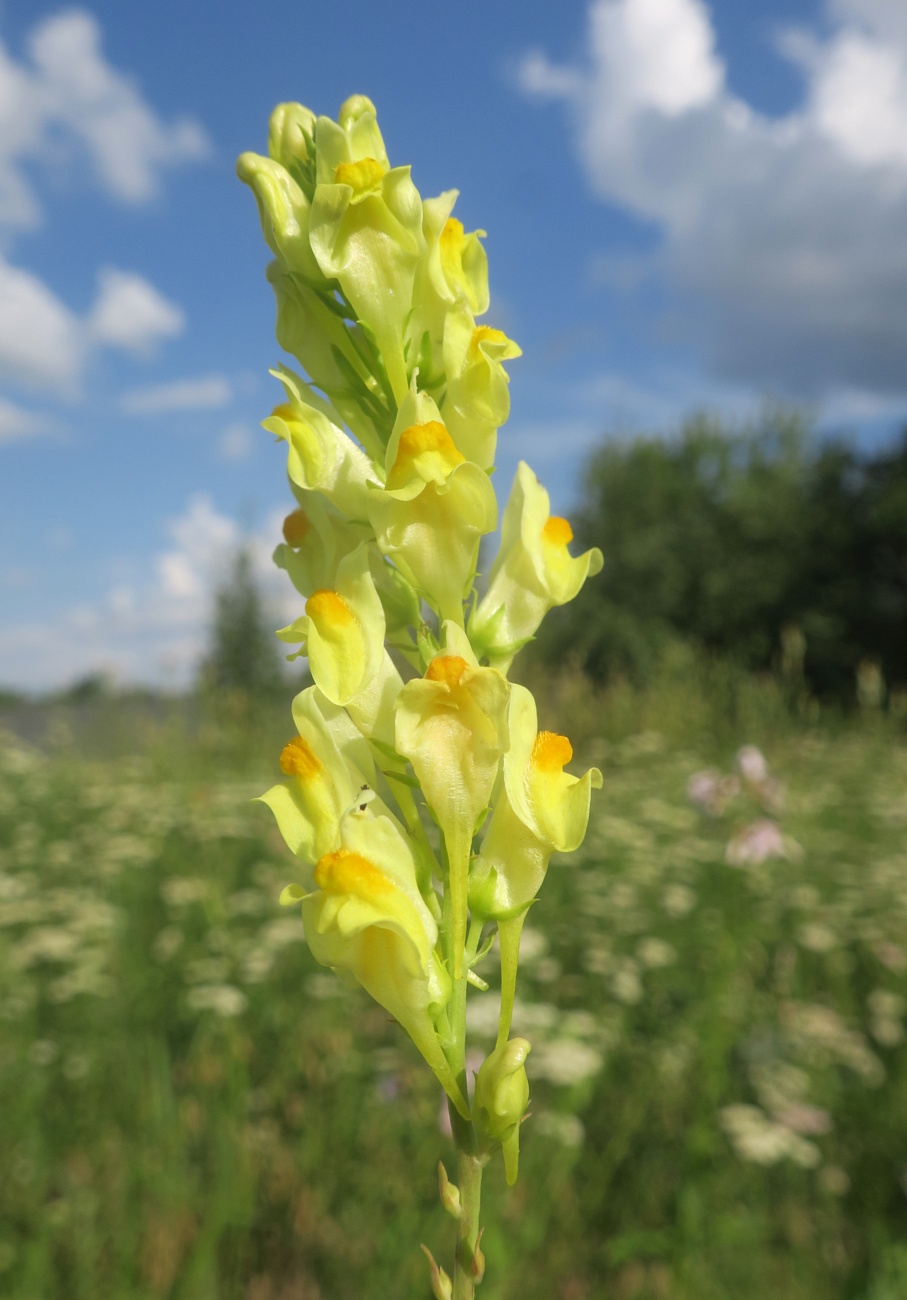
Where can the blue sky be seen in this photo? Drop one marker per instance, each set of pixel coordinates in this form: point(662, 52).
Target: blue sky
point(689, 205)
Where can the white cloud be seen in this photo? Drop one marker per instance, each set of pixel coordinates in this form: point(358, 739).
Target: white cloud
point(152, 629)
point(202, 539)
point(44, 344)
point(783, 238)
point(68, 100)
point(206, 392)
point(131, 314)
point(64, 102)
point(17, 424)
point(656, 54)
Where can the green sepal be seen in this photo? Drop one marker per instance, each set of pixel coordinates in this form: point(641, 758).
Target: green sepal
point(387, 750)
point(428, 644)
point(403, 777)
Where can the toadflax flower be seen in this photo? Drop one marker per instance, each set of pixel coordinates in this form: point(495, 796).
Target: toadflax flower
point(452, 726)
point(367, 919)
point(532, 573)
point(434, 508)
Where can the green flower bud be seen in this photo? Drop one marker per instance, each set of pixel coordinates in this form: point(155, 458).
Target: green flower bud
point(501, 1098)
point(291, 142)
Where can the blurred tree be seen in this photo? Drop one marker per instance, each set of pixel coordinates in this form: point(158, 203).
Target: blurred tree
point(723, 539)
point(244, 659)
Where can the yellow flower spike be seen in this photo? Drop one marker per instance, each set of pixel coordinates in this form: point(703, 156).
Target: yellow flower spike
point(436, 507)
point(452, 726)
point(343, 631)
point(320, 456)
point(501, 1099)
point(317, 537)
point(477, 401)
point(326, 772)
point(367, 919)
point(533, 572)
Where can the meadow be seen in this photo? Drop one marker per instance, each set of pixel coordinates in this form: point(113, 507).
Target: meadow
point(191, 1108)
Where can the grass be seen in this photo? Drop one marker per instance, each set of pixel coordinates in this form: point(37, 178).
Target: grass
point(190, 1107)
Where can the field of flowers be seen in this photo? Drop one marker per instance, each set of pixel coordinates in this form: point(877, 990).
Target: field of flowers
point(716, 990)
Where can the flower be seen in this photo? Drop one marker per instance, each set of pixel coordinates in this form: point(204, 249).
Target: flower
point(366, 228)
point(316, 538)
point(367, 919)
point(452, 726)
point(434, 509)
point(453, 270)
point(757, 842)
point(533, 572)
point(542, 810)
point(328, 763)
point(477, 401)
point(320, 457)
point(343, 631)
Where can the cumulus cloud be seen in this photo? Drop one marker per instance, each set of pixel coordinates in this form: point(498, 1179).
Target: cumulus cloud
point(153, 629)
point(17, 424)
point(205, 392)
point(63, 101)
point(783, 238)
point(66, 99)
point(44, 344)
point(131, 314)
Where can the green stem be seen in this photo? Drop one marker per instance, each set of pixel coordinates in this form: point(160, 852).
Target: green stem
point(427, 864)
point(470, 1162)
point(459, 847)
point(467, 1268)
point(509, 939)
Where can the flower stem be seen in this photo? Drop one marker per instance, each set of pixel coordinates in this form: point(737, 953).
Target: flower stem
point(469, 1264)
point(509, 940)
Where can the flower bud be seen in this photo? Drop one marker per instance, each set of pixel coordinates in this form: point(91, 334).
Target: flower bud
point(441, 1285)
point(450, 1193)
point(291, 142)
point(501, 1098)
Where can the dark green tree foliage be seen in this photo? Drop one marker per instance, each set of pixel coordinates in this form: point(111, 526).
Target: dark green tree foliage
point(244, 658)
point(724, 538)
